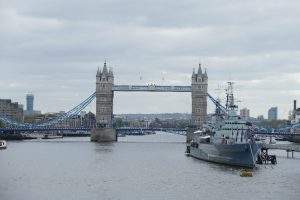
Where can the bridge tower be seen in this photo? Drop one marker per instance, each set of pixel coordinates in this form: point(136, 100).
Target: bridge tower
point(104, 131)
point(199, 97)
point(104, 97)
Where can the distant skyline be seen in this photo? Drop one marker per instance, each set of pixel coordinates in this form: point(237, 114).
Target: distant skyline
point(52, 48)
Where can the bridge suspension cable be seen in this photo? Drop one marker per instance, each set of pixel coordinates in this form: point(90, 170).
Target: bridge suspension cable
point(67, 115)
point(217, 103)
point(77, 109)
point(11, 121)
point(73, 112)
point(295, 125)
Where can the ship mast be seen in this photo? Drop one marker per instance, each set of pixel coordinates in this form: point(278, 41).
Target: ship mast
point(230, 98)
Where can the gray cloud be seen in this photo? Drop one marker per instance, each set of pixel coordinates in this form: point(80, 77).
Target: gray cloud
point(53, 48)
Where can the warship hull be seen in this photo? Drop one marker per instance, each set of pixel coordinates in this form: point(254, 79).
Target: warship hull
point(243, 155)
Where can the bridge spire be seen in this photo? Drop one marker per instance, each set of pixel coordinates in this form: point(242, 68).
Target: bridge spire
point(205, 73)
point(104, 71)
point(110, 71)
point(98, 72)
point(199, 69)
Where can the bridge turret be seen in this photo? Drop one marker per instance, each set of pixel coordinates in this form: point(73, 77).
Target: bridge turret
point(205, 74)
point(199, 97)
point(98, 72)
point(193, 75)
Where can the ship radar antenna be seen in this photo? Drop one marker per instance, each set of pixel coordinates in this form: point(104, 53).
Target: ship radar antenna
point(218, 92)
point(229, 96)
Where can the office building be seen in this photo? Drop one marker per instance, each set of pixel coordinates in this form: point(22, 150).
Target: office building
point(29, 104)
point(10, 109)
point(272, 113)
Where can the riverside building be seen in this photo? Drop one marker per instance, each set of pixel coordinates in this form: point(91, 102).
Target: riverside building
point(10, 109)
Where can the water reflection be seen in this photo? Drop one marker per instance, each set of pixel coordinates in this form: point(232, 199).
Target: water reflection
point(106, 147)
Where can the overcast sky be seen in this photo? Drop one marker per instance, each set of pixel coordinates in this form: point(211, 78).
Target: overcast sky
point(52, 48)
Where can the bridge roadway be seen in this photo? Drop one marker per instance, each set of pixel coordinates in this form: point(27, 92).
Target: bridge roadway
point(41, 129)
point(85, 129)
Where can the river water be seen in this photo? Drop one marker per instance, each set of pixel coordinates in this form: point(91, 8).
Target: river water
point(137, 167)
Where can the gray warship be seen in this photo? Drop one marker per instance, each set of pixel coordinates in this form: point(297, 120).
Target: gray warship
point(226, 140)
point(294, 123)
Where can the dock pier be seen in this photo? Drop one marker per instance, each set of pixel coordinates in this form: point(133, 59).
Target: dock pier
point(287, 147)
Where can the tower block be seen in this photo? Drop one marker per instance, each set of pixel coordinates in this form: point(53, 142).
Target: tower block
point(104, 131)
point(199, 97)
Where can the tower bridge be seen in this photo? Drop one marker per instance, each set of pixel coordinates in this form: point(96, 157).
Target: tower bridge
point(105, 89)
point(104, 94)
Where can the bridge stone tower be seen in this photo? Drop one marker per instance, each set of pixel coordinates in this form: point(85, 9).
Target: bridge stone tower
point(104, 97)
point(199, 97)
point(104, 132)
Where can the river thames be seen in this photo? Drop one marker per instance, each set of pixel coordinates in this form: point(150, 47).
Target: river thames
point(136, 167)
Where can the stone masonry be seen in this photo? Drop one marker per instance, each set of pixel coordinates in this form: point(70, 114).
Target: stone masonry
point(104, 97)
point(199, 97)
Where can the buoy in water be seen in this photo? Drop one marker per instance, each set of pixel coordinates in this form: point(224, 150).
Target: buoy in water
point(245, 173)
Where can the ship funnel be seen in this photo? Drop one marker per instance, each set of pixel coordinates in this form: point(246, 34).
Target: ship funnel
point(295, 107)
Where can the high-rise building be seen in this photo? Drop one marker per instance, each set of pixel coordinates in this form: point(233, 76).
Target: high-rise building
point(245, 113)
point(272, 113)
point(29, 104)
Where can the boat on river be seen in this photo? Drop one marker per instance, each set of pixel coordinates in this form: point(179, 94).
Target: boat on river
point(3, 144)
point(227, 140)
point(49, 136)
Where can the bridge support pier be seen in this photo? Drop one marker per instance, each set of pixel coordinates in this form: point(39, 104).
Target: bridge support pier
point(104, 135)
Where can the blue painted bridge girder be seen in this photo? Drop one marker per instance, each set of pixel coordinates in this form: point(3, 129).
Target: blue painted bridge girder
point(151, 129)
point(38, 129)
